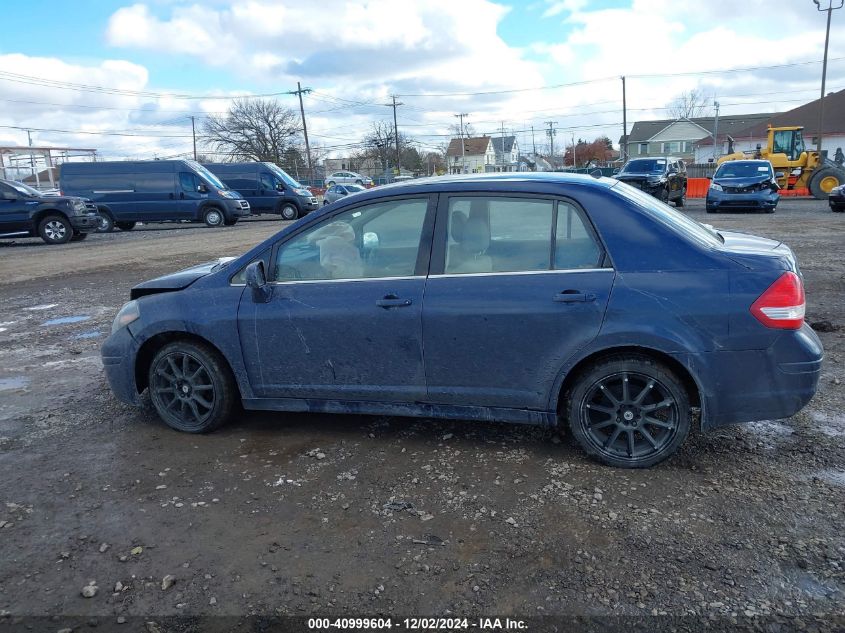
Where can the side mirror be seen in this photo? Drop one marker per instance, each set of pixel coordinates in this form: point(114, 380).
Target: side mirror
point(616, 171)
point(280, 186)
point(344, 192)
point(201, 188)
point(256, 279)
point(779, 175)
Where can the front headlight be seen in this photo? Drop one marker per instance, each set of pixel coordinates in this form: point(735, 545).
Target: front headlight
point(128, 313)
point(715, 187)
point(302, 192)
point(229, 194)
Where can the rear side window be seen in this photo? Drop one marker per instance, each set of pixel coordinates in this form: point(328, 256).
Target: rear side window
point(575, 246)
point(501, 234)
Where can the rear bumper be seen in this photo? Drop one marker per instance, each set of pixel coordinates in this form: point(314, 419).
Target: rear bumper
point(84, 223)
point(744, 386)
point(757, 200)
point(118, 354)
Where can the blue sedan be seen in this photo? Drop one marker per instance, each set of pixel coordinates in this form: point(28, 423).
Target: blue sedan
point(743, 184)
point(562, 300)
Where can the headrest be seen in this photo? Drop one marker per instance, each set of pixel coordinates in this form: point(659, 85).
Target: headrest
point(459, 222)
point(476, 236)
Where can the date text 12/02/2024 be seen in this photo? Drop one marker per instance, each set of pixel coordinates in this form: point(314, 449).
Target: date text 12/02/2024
point(417, 623)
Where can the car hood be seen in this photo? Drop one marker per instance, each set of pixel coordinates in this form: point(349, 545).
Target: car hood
point(176, 281)
point(746, 181)
point(55, 199)
point(638, 176)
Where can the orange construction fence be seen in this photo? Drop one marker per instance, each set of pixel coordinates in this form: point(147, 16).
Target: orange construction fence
point(697, 188)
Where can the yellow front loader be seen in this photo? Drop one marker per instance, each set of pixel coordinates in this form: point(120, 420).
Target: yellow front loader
point(786, 152)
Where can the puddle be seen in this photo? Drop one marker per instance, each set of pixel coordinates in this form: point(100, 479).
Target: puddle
point(15, 382)
point(45, 306)
point(91, 334)
point(65, 320)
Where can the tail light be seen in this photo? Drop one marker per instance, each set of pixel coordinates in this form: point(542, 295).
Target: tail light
point(782, 305)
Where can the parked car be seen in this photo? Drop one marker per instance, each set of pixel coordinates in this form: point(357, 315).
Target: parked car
point(536, 298)
point(336, 192)
point(267, 187)
point(836, 199)
point(743, 184)
point(348, 177)
point(128, 192)
point(55, 219)
point(664, 178)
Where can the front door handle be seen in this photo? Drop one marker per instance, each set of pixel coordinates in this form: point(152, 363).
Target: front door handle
point(392, 301)
point(574, 296)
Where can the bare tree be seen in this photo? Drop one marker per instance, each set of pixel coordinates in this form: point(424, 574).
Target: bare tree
point(688, 105)
point(255, 129)
point(469, 130)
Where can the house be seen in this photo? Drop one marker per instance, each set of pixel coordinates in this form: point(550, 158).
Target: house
point(470, 155)
point(678, 137)
point(507, 153)
point(806, 116)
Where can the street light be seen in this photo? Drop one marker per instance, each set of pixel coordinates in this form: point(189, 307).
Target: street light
point(830, 9)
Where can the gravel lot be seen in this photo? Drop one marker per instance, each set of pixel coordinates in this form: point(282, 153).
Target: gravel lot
point(304, 514)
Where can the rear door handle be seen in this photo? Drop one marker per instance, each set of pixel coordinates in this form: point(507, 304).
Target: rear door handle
point(392, 301)
point(573, 296)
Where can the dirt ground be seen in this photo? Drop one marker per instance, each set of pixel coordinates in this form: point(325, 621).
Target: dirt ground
point(317, 514)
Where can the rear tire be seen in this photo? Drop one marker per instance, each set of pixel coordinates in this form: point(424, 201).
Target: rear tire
point(288, 211)
point(125, 226)
point(213, 217)
point(191, 387)
point(712, 210)
point(825, 179)
point(628, 411)
point(680, 202)
point(55, 229)
point(106, 224)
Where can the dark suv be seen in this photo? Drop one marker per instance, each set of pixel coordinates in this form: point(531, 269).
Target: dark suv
point(55, 219)
point(663, 177)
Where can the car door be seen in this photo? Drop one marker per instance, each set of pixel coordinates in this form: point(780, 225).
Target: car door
point(14, 213)
point(268, 193)
point(518, 285)
point(343, 321)
point(189, 195)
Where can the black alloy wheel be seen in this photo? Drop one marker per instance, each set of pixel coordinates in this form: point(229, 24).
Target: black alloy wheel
point(191, 387)
point(631, 412)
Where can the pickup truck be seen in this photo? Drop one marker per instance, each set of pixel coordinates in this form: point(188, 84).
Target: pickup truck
point(55, 219)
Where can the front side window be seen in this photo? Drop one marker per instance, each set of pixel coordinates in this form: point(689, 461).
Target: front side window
point(267, 181)
point(377, 240)
point(188, 182)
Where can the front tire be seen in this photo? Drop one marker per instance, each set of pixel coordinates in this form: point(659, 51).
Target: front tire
point(106, 223)
point(191, 387)
point(628, 412)
point(55, 229)
point(213, 217)
point(288, 212)
point(125, 226)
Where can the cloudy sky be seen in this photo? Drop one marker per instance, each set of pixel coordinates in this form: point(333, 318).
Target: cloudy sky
point(125, 78)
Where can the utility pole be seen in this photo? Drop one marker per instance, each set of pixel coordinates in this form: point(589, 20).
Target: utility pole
point(396, 134)
point(551, 134)
point(194, 135)
point(624, 147)
point(717, 149)
point(533, 144)
point(830, 9)
point(574, 162)
point(463, 147)
point(299, 92)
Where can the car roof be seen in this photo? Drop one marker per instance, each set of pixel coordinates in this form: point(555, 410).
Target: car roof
point(502, 179)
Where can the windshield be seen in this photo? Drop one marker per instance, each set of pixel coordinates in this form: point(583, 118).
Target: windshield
point(743, 169)
point(670, 217)
point(281, 173)
point(354, 188)
point(25, 189)
point(645, 166)
point(207, 175)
